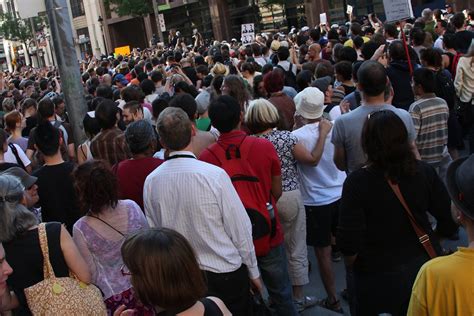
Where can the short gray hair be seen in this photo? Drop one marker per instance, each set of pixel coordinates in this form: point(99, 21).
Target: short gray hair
point(427, 14)
point(15, 218)
point(174, 128)
point(8, 104)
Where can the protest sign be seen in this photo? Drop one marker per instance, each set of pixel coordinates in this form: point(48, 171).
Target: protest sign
point(323, 18)
point(396, 10)
point(349, 9)
point(123, 50)
point(247, 33)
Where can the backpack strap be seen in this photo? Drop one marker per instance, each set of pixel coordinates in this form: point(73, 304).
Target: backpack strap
point(227, 150)
point(287, 72)
point(17, 156)
point(48, 271)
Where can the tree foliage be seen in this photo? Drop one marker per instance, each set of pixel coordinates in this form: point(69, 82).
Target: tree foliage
point(130, 7)
point(14, 29)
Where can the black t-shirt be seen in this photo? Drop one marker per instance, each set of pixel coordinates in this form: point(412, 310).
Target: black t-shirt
point(31, 122)
point(25, 257)
point(57, 196)
point(463, 40)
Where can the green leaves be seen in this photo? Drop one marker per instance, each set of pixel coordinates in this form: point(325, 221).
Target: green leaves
point(130, 7)
point(14, 29)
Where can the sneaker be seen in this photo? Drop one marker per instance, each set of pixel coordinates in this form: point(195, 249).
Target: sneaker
point(336, 256)
point(305, 302)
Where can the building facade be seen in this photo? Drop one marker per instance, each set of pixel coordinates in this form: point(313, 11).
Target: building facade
point(87, 28)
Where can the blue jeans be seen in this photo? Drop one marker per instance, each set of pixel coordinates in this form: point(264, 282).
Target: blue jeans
point(274, 270)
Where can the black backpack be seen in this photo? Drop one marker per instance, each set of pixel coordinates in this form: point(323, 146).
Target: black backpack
point(290, 78)
point(444, 88)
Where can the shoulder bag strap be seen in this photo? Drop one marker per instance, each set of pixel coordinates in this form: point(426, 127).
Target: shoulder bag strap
point(107, 224)
point(48, 271)
point(422, 235)
point(17, 156)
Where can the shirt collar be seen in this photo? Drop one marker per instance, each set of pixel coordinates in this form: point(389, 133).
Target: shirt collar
point(181, 152)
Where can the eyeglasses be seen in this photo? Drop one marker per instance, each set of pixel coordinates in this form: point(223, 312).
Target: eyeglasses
point(124, 270)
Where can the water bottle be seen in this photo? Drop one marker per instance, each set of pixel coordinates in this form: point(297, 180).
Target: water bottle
point(270, 210)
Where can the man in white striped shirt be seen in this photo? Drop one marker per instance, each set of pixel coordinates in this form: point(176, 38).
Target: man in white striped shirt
point(199, 201)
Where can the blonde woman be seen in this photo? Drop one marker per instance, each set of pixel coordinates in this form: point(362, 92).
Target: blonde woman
point(262, 119)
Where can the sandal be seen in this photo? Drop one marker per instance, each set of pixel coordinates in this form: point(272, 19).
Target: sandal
point(335, 307)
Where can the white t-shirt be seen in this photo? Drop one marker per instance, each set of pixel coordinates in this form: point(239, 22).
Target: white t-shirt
point(321, 184)
point(10, 157)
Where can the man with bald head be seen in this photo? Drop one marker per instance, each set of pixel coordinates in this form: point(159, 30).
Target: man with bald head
point(314, 55)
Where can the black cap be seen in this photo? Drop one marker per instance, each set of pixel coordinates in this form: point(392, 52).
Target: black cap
point(460, 184)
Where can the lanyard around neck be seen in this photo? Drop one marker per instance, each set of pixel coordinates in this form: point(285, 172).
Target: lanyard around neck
point(180, 156)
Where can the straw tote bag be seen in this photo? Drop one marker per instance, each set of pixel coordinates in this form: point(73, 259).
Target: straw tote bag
point(61, 296)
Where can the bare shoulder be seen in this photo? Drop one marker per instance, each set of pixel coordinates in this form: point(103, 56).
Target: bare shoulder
point(221, 305)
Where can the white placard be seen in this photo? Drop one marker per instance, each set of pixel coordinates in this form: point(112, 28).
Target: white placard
point(161, 20)
point(29, 8)
point(396, 10)
point(247, 33)
point(323, 18)
point(349, 9)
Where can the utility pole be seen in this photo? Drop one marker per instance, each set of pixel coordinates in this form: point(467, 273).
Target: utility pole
point(33, 30)
point(157, 20)
point(68, 65)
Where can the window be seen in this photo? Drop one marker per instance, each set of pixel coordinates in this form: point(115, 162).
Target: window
point(77, 8)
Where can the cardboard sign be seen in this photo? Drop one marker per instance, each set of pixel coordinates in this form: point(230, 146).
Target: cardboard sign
point(123, 50)
point(323, 18)
point(247, 33)
point(396, 10)
point(349, 9)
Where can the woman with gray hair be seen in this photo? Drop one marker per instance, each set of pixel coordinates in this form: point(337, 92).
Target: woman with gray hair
point(131, 173)
point(19, 235)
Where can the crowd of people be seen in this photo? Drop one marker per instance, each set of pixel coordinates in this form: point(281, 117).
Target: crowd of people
point(208, 170)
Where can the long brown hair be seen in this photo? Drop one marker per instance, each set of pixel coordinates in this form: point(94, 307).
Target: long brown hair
point(385, 141)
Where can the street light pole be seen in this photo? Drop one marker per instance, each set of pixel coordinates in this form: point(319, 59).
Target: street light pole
point(68, 65)
point(33, 30)
point(101, 21)
point(156, 10)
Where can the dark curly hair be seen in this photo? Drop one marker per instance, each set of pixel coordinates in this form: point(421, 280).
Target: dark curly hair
point(385, 142)
point(96, 186)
